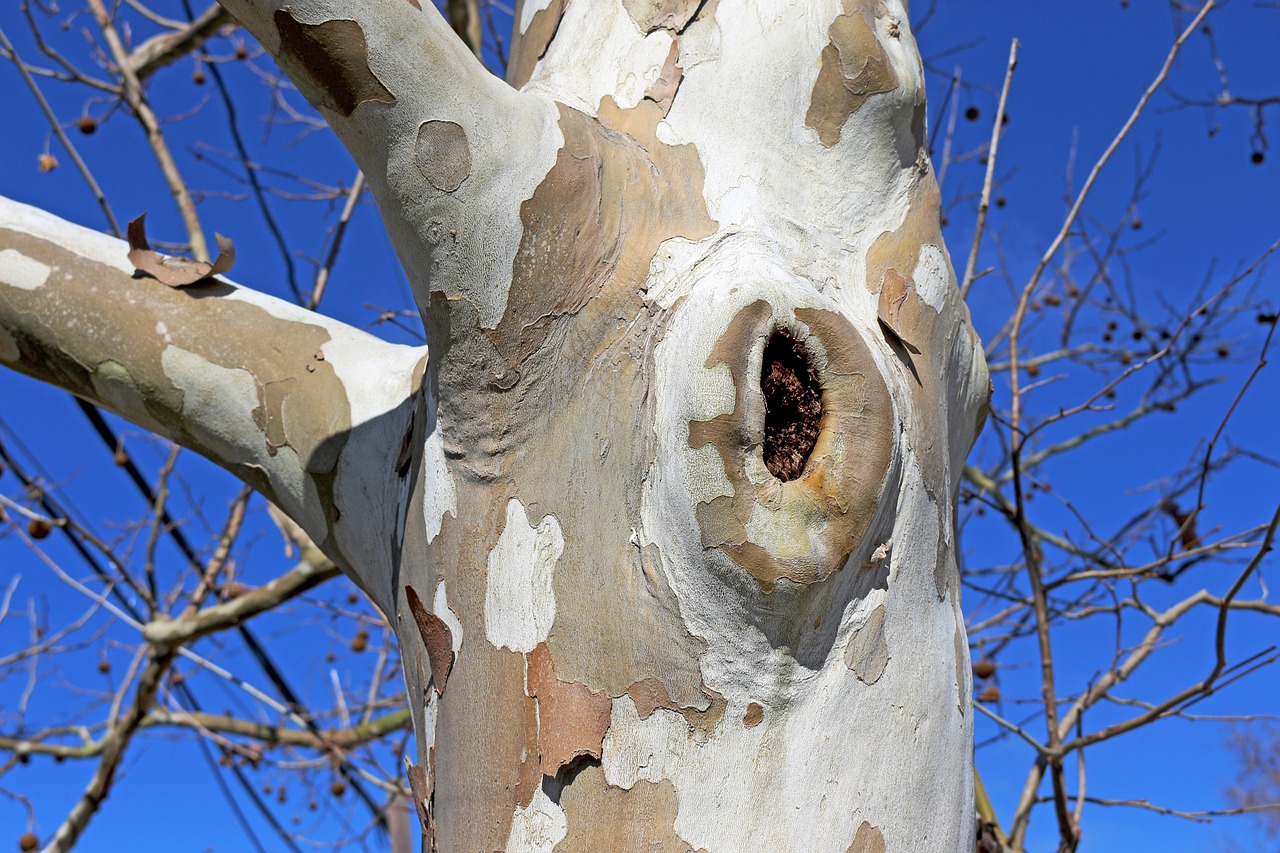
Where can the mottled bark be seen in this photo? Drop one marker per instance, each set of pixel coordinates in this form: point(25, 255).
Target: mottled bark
point(650, 640)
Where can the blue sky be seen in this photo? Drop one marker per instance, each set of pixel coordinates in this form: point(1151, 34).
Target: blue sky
point(1082, 67)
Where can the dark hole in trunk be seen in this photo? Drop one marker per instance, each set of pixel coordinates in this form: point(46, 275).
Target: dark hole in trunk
point(792, 406)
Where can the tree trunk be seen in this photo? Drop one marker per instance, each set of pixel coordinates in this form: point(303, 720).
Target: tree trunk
point(665, 523)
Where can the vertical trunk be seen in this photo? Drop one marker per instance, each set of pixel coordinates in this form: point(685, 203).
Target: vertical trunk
point(689, 496)
point(666, 527)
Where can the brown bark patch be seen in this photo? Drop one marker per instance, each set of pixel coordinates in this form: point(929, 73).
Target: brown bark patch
point(436, 637)
point(651, 15)
point(602, 817)
point(572, 718)
point(868, 839)
point(854, 66)
point(330, 62)
point(443, 154)
point(753, 715)
point(792, 405)
point(841, 483)
point(531, 45)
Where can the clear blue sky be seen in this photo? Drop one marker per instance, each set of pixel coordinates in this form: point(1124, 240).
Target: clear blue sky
point(1082, 67)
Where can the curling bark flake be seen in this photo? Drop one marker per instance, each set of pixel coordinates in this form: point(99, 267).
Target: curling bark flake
point(651, 642)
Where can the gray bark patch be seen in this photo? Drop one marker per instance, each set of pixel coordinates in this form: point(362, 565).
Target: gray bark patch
point(330, 62)
point(443, 154)
point(868, 653)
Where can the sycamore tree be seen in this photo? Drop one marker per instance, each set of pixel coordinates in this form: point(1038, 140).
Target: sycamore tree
point(658, 523)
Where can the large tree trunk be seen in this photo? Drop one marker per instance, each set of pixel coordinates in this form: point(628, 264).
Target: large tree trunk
point(665, 523)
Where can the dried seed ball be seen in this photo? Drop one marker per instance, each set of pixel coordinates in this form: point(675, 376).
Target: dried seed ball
point(1001, 201)
point(28, 841)
point(360, 641)
point(1052, 299)
point(198, 78)
point(242, 52)
point(338, 788)
point(87, 124)
point(104, 666)
point(47, 162)
point(352, 598)
point(984, 668)
point(39, 528)
point(1257, 157)
point(972, 114)
point(990, 693)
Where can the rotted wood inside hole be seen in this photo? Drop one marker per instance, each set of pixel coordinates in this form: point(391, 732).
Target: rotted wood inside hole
point(793, 405)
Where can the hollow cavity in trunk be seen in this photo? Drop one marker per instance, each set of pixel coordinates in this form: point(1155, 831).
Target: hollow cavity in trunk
point(792, 405)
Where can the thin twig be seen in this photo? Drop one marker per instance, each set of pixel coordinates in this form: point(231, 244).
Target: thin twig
point(984, 203)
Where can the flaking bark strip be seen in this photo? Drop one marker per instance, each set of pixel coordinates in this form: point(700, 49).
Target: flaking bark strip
point(437, 638)
point(176, 271)
point(420, 786)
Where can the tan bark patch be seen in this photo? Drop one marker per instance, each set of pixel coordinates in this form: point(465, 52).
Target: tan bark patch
point(531, 45)
point(828, 508)
point(663, 90)
point(613, 196)
point(868, 653)
point(602, 817)
point(753, 715)
point(868, 839)
point(436, 637)
point(572, 718)
point(651, 15)
point(330, 62)
point(854, 67)
point(443, 154)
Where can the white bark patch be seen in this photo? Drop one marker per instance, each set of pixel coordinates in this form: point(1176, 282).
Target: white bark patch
point(8, 347)
point(539, 827)
point(17, 270)
point(602, 28)
point(441, 495)
point(519, 604)
point(440, 607)
point(932, 276)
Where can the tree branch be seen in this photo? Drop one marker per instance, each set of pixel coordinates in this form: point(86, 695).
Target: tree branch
point(449, 150)
point(308, 411)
